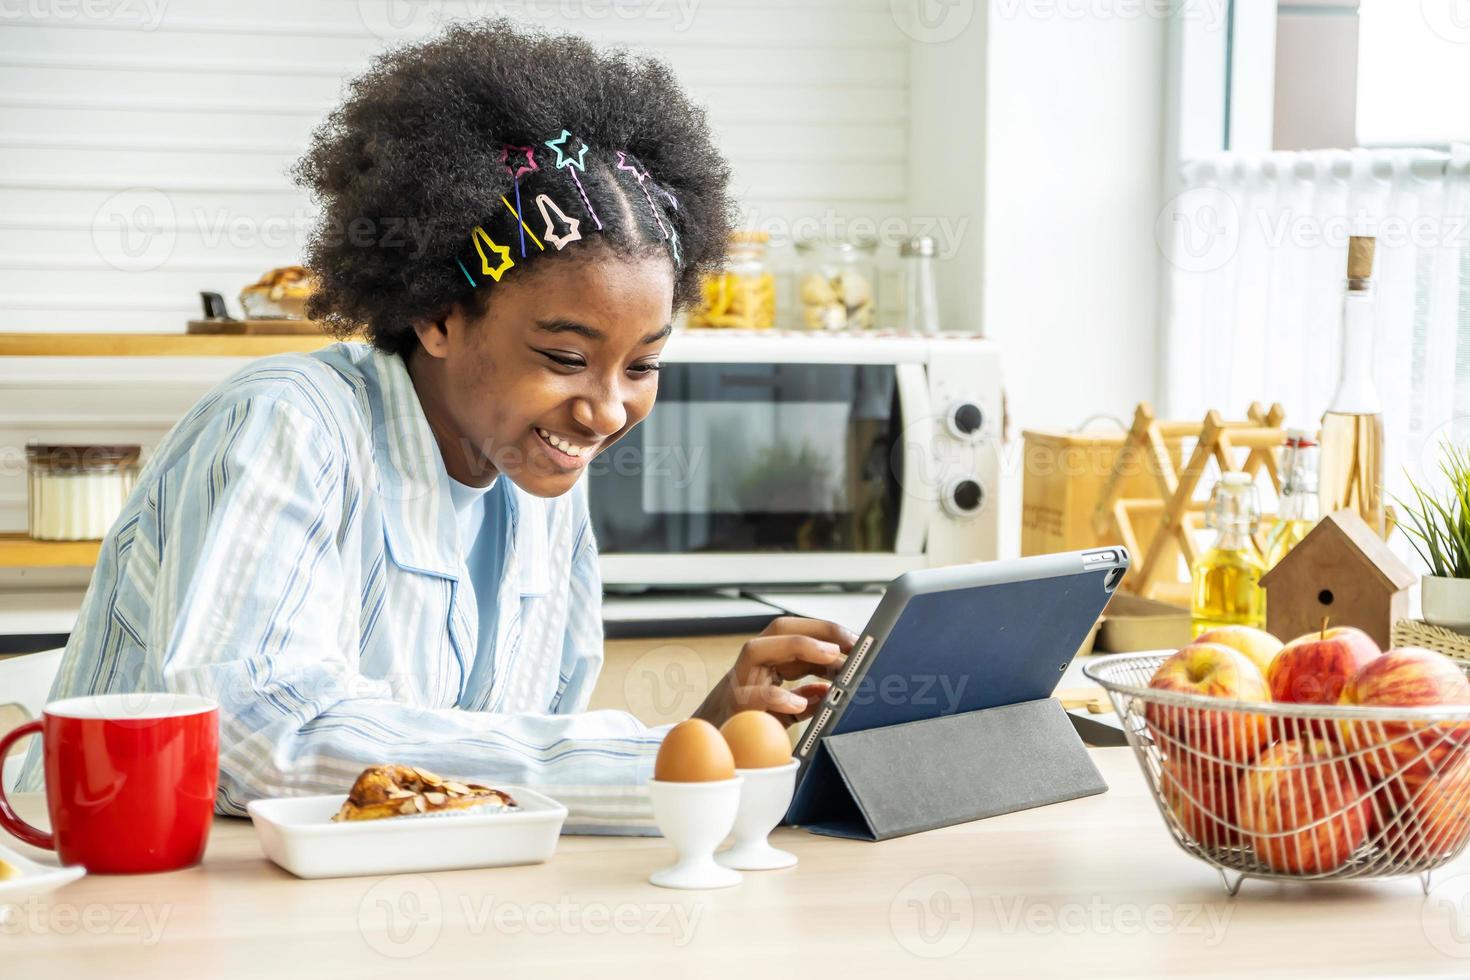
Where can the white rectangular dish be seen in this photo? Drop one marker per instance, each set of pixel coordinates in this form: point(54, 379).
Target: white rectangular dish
point(298, 834)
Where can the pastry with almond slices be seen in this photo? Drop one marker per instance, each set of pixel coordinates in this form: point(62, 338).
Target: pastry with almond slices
point(406, 791)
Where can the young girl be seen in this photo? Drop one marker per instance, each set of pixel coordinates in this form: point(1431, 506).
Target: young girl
point(382, 553)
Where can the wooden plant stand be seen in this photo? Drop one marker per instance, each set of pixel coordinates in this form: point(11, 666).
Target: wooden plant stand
point(1259, 435)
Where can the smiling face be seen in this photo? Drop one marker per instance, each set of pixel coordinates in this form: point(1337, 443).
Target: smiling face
point(561, 365)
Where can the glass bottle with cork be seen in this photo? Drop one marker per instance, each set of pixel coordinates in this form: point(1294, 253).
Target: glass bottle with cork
point(1226, 579)
point(1351, 473)
point(1297, 511)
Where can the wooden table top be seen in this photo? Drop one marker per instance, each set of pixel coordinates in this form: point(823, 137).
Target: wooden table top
point(1090, 888)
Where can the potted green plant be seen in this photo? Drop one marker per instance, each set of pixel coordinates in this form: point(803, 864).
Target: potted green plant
point(1439, 529)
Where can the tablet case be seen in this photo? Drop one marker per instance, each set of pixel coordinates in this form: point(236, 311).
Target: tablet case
point(920, 775)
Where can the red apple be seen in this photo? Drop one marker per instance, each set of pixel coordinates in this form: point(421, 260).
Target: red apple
point(1427, 816)
point(1407, 678)
point(1313, 669)
point(1303, 807)
point(1259, 645)
point(1202, 795)
point(1215, 671)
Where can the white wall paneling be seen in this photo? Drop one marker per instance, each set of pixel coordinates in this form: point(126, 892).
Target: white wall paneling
point(207, 104)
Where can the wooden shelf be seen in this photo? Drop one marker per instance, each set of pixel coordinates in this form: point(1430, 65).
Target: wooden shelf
point(17, 550)
point(155, 344)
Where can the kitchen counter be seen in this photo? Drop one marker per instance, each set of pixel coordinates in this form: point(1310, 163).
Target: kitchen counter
point(1089, 888)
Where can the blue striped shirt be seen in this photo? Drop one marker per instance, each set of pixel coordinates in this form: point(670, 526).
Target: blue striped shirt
point(292, 550)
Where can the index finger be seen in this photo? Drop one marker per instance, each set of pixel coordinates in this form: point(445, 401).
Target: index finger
point(817, 629)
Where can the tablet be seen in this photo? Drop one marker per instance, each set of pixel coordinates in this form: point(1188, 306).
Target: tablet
point(964, 638)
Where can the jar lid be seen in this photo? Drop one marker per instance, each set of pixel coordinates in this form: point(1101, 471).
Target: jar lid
point(847, 245)
point(1300, 439)
point(921, 245)
point(81, 458)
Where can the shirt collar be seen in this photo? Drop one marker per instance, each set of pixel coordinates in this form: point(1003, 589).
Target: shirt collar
point(419, 519)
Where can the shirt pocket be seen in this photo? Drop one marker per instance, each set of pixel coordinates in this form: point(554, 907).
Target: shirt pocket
point(414, 644)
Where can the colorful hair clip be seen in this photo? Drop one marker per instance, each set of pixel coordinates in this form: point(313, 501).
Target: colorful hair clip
point(544, 203)
point(566, 159)
point(524, 229)
point(519, 171)
point(571, 164)
point(515, 175)
point(623, 164)
point(473, 284)
point(481, 239)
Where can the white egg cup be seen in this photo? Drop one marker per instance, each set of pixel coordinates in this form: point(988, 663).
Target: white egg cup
point(764, 800)
point(695, 817)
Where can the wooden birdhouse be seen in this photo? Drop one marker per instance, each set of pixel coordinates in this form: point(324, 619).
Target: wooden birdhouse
point(1340, 571)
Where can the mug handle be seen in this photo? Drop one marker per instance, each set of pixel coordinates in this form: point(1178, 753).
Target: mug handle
point(9, 819)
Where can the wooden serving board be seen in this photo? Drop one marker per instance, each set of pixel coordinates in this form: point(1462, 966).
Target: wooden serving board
point(257, 327)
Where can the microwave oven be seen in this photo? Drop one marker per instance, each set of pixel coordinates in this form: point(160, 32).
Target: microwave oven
point(778, 458)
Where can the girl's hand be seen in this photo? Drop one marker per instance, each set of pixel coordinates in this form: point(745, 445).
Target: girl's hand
point(788, 649)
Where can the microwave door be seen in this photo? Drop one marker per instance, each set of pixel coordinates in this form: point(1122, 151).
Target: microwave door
point(764, 472)
point(914, 459)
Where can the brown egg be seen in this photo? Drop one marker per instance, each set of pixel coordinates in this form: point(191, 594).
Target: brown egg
point(757, 740)
point(693, 752)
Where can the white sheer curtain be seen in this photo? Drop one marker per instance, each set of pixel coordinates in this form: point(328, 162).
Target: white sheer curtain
point(1257, 249)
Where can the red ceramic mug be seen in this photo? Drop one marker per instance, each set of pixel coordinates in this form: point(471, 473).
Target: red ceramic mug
point(130, 780)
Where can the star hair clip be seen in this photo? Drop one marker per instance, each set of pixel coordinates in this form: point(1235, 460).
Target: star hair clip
point(517, 171)
point(642, 177)
point(571, 164)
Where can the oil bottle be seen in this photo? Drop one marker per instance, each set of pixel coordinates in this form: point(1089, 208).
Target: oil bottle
point(1351, 475)
point(1226, 579)
point(1297, 512)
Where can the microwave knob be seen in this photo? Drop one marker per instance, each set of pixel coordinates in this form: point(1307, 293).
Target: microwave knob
point(964, 498)
point(966, 419)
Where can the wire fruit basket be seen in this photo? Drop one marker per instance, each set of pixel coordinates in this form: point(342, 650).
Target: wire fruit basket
point(1305, 792)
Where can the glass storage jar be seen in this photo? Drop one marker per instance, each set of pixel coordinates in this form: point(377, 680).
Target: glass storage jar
point(76, 492)
point(837, 281)
point(743, 293)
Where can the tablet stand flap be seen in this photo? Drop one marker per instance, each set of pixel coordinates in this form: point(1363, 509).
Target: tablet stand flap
point(954, 768)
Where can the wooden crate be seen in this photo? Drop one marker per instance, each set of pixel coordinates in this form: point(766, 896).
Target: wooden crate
point(1061, 485)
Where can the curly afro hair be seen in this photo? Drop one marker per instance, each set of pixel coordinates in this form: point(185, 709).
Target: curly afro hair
point(416, 159)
